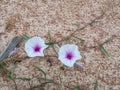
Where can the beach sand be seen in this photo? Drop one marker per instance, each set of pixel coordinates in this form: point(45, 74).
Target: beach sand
point(61, 18)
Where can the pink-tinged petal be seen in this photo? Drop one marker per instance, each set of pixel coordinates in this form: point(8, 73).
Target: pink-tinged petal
point(79, 65)
point(35, 47)
point(14, 51)
point(68, 54)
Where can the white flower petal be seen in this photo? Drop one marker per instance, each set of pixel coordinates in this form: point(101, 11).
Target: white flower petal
point(62, 50)
point(31, 43)
point(68, 63)
point(72, 48)
point(29, 50)
point(77, 54)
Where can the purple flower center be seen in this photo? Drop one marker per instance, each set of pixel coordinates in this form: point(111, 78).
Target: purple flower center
point(69, 55)
point(37, 48)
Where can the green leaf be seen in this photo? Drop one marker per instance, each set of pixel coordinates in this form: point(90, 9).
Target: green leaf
point(79, 38)
point(103, 50)
point(24, 79)
point(42, 88)
point(60, 85)
point(1, 66)
point(93, 22)
point(74, 24)
point(11, 73)
point(41, 71)
point(25, 37)
point(50, 43)
point(49, 35)
point(57, 44)
point(38, 87)
point(95, 86)
point(46, 80)
point(76, 87)
point(67, 41)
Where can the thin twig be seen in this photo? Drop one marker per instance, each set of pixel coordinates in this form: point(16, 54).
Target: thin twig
point(15, 84)
point(50, 56)
point(19, 59)
point(54, 50)
point(79, 29)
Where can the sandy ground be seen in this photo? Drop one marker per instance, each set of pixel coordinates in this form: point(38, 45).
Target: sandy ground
point(37, 17)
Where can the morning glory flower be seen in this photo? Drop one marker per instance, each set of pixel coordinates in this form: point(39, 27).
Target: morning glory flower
point(68, 54)
point(35, 47)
